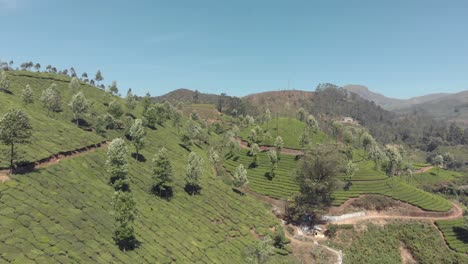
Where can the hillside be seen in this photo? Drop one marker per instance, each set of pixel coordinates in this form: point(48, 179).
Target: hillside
point(62, 213)
point(285, 103)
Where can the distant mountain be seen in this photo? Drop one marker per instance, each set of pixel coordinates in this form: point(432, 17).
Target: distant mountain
point(391, 103)
point(446, 106)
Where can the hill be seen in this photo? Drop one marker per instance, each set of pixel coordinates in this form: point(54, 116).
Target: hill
point(285, 103)
point(61, 212)
point(388, 102)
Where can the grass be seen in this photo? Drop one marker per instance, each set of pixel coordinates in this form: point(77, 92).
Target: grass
point(434, 177)
point(455, 234)
point(56, 133)
point(377, 244)
point(289, 129)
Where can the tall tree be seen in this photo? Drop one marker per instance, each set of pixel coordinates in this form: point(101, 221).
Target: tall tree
point(72, 72)
point(124, 214)
point(279, 143)
point(438, 162)
point(74, 83)
point(301, 114)
point(138, 136)
point(113, 89)
point(240, 177)
point(312, 123)
point(98, 76)
point(117, 164)
point(273, 157)
point(254, 150)
point(316, 175)
point(15, 128)
point(37, 66)
point(130, 100)
point(115, 109)
point(193, 173)
point(4, 82)
point(79, 106)
point(27, 95)
point(146, 102)
point(162, 173)
point(51, 99)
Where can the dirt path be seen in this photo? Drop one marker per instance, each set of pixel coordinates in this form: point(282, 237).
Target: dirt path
point(454, 213)
point(424, 169)
point(53, 159)
point(287, 151)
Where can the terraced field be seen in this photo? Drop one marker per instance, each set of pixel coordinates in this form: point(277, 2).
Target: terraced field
point(366, 181)
point(434, 176)
point(62, 214)
point(289, 129)
point(455, 234)
point(205, 111)
point(281, 186)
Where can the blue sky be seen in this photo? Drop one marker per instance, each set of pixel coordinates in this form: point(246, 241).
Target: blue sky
point(398, 48)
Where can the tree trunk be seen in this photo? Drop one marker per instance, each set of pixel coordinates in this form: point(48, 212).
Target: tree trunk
point(11, 158)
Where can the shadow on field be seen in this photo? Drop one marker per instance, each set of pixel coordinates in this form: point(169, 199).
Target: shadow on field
point(164, 192)
point(461, 234)
point(139, 157)
point(193, 189)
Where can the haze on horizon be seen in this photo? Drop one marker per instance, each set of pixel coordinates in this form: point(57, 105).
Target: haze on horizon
point(400, 49)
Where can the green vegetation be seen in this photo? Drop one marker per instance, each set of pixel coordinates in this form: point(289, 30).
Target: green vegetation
point(381, 244)
point(455, 234)
point(205, 111)
point(57, 133)
point(289, 129)
point(281, 186)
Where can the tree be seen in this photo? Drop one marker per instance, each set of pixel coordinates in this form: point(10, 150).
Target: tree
point(254, 150)
point(301, 114)
point(138, 136)
point(15, 128)
point(267, 116)
point(4, 82)
point(312, 123)
point(72, 72)
point(279, 143)
point(84, 76)
point(162, 173)
point(376, 155)
point(438, 162)
point(449, 160)
point(273, 158)
point(193, 173)
point(304, 139)
point(316, 174)
point(100, 126)
point(51, 99)
point(79, 106)
point(115, 109)
point(351, 169)
point(27, 95)
point(130, 100)
point(37, 66)
point(146, 102)
point(124, 214)
point(117, 164)
point(177, 120)
point(260, 252)
point(113, 89)
point(240, 177)
point(394, 159)
point(253, 136)
point(74, 84)
point(367, 141)
point(98, 76)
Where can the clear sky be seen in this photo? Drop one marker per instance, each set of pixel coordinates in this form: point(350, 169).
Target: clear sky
point(398, 48)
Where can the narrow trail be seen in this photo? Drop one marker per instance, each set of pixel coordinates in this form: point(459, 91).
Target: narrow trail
point(51, 160)
point(454, 213)
point(287, 151)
